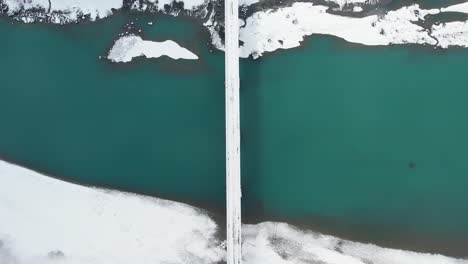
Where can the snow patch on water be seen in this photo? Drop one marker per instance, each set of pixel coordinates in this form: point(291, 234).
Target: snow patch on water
point(128, 47)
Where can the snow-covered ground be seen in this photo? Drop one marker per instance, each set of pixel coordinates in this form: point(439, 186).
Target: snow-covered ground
point(462, 8)
point(47, 221)
point(188, 4)
point(280, 243)
point(70, 10)
point(278, 28)
point(451, 34)
point(285, 28)
point(128, 47)
point(44, 220)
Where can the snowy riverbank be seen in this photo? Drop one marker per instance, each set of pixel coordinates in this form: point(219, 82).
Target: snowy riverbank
point(60, 11)
point(280, 243)
point(69, 11)
point(44, 220)
point(286, 28)
point(278, 27)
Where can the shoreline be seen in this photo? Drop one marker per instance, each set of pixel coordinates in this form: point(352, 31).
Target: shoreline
point(312, 222)
point(116, 222)
point(426, 30)
point(342, 44)
point(351, 232)
point(365, 234)
point(215, 212)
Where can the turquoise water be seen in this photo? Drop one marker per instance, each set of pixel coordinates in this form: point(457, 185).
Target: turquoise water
point(363, 142)
point(368, 141)
point(153, 126)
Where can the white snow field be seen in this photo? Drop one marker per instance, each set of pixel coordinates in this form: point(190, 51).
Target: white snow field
point(451, 34)
point(188, 4)
point(44, 220)
point(128, 47)
point(285, 28)
point(48, 221)
point(71, 9)
point(280, 243)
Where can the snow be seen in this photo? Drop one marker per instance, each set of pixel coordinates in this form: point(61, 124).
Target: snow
point(398, 27)
point(13, 5)
point(357, 9)
point(128, 47)
point(73, 10)
point(280, 243)
point(49, 221)
point(248, 2)
point(451, 34)
point(17, 5)
point(461, 8)
point(44, 220)
point(285, 28)
point(70, 9)
point(282, 28)
point(96, 9)
point(188, 4)
point(211, 25)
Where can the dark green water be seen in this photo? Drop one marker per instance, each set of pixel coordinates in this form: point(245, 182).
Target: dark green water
point(366, 143)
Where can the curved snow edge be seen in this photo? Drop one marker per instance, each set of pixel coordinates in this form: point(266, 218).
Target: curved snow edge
point(45, 221)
